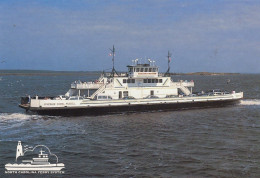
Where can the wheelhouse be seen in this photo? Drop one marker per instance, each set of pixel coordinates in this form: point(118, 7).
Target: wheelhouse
point(143, 70)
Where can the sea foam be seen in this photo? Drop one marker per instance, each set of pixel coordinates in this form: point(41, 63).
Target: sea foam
point(250, 102)
point(17, 116)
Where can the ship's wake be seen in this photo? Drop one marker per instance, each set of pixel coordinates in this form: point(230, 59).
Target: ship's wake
point(18, 116)
point(250, 102)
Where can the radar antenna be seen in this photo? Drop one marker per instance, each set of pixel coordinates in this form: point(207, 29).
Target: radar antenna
point(167, 73)
point(113, 59)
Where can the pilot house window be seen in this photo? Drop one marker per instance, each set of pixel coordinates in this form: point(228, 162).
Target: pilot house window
point(130, 69)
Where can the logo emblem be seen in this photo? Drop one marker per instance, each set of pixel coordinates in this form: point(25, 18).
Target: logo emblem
point(38, 159)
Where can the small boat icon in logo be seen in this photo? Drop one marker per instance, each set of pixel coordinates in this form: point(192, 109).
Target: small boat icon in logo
point(39, 163)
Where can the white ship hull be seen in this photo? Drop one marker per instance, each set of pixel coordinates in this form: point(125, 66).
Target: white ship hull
point(29, 167)
point(95, 107)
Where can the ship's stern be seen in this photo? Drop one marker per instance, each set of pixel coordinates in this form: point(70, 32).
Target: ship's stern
point(25, 102)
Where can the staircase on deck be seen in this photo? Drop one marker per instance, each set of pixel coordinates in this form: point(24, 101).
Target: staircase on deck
point(99, 90)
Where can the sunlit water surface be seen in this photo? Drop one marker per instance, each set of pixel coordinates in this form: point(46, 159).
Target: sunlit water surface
point(218, 142)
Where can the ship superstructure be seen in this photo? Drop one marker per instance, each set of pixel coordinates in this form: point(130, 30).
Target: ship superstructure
point(141, 81)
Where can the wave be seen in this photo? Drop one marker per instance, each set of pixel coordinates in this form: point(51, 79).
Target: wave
point(17, 116)
point(250, 102)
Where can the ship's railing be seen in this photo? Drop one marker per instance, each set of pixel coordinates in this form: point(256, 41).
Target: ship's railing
point(123, 74)
point(187, 83)
point(183, 83)
point(160, 74)
point(119, 74)
point(184, 89)
point(86, 85)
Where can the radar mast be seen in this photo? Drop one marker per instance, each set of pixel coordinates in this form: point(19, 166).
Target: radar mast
point(113, 59)
point(167, 73)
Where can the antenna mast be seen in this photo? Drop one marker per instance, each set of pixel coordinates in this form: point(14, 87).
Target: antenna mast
point(167, 73)
point(113, 59)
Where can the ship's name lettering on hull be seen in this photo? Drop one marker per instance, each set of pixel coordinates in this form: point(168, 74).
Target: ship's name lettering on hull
point(47, 104)
point(70, 104)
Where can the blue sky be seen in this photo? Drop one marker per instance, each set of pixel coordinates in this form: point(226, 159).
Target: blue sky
point(75, 35)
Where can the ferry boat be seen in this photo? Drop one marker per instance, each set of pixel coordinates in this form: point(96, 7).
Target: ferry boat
point(41, 163)
point(142, 88)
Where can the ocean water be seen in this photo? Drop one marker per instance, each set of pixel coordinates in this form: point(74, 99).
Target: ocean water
point(215, 142)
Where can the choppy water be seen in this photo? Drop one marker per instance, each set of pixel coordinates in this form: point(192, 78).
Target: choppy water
point(217, 142)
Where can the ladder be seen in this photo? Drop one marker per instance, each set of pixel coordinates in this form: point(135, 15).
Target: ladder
point(185, 90)
point(99, 90)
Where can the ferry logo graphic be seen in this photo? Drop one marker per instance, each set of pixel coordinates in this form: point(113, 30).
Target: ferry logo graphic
point(38, 164)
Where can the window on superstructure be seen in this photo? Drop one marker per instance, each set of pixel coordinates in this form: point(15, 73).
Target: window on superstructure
point(150, 69)
point(125, 93)
point(130, 69)
point(101, 97)
point(154, 69)
point(146, 69)
point(137, 69)
point(152, 80)
point(142, 69)
point(128, 80)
